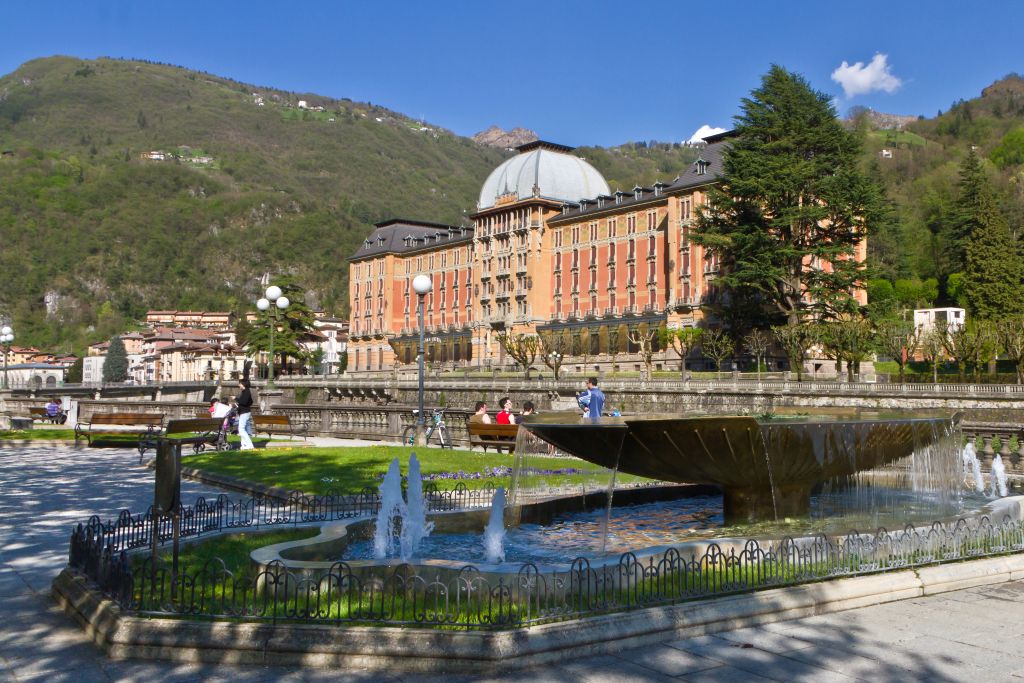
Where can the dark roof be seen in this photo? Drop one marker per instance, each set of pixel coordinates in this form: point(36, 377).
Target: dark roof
point(400, 235)
point(711, 159)
point(543, 144)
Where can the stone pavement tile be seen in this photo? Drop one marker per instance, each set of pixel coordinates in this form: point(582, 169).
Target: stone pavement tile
point(732, 654)
point(157, 672)
point(533, 675)
point(608, 669)
point(764, 639)
point(724, 674)
point(851, 664)
point(947, 652)
point(668, 660)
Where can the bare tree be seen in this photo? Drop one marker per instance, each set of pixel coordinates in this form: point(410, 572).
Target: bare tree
point(933, 344)
point(795, 339)
point(682, 340)
point(614, 342)
point(899, 340)
point(1011, 336)
point(967, 345)
point(521, 348)
point(644, 341)
point(855, 343)
point(756, 343)
point(553, 350)
point(718, 345)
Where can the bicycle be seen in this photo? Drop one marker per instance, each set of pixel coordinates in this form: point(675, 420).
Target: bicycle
point(434, 425)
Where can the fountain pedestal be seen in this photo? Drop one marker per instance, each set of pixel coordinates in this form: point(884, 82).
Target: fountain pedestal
point(766, 467)
point(744, 504)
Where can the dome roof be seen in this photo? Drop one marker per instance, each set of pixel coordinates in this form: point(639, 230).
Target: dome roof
point(545, 170)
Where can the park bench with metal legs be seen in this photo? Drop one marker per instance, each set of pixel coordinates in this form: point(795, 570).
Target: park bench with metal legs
point(492, 435)
point(43, 416)
point(277, 424)
point(147, 426)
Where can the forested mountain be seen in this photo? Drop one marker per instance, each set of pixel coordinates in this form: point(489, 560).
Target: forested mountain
point(128, 185)
point(919, 168)
point(94, 229)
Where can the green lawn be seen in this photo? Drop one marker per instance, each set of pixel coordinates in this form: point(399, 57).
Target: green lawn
point(349, 470)
point(233, 549)
point(44, 434)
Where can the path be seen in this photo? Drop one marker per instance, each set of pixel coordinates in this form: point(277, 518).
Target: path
point(973, 634)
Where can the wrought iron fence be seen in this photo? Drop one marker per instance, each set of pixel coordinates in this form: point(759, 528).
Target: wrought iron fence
point(469, 598)
point(130, 531)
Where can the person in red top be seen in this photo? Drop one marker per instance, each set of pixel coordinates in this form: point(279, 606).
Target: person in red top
point(505, 416)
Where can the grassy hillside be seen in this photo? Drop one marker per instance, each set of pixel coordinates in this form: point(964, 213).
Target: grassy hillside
point(94, 234)
point(921, 177)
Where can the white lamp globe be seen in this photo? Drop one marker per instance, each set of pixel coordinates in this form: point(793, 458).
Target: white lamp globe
point(282, 302)
point(6, 330)
point(263, 304)
point(422, 284)
point(273, 292)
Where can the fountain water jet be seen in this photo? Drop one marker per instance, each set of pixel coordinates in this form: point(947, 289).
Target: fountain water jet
point(401, 523)
point(392, 509)
point(998, 478)
point(972, 467)
point(494, 534)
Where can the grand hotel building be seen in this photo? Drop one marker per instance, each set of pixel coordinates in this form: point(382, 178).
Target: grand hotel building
point(552, 249)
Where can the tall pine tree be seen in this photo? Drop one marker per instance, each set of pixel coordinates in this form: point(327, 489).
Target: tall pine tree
point(115, 367)
point(791, 198)
point(993, 274)
point(974, 188)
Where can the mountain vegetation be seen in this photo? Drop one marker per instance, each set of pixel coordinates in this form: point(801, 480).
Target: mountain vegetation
point(130, 185)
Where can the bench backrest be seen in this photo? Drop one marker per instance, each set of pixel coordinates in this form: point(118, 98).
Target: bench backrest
point(37, 411)
point(271, 420)
point(127, 419)
point(198, 424)
point(480, 429)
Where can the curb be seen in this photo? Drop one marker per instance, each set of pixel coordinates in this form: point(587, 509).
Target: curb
point(396, 648)
point(21, 443)
point(230, 483)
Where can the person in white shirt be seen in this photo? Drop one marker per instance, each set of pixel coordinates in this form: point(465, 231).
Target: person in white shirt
point(220, 409)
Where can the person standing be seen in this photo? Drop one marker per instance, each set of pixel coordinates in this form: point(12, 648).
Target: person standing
point(596, 404)
point(244, 403)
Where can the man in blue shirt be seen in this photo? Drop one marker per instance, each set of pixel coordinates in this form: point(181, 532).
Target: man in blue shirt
point(596, 398)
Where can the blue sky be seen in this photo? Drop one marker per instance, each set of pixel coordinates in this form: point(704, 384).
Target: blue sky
point(576, 72)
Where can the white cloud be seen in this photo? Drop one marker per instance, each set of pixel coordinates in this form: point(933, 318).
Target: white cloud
point(705, 131)
point(861, 79)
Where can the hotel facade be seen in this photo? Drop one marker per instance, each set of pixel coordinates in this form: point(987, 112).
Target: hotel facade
point(551, 251)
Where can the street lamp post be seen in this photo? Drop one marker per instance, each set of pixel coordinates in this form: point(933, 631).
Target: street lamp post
point(421, 284)
point(6, 337)
point(273, 302)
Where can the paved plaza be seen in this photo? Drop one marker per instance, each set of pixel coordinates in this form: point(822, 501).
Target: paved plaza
point(968, 635)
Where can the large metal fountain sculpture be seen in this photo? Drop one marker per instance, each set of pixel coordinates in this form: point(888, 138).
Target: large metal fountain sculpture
point(766, 467)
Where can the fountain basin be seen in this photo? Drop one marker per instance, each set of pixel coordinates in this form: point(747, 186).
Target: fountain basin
point(766, 467)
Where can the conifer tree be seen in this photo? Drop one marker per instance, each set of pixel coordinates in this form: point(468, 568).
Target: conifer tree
point(993, 273)
point(115, 367)
point(792, 196)
point(973, 187)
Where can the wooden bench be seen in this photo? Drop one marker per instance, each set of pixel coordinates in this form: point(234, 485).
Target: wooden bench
point(487, 435)
point(147, 426)
point(277, 424)
point(41, 415)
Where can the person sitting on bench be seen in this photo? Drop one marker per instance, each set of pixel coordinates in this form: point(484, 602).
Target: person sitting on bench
point(55, 413)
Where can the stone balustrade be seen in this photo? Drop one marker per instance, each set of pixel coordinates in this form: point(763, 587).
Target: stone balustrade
point(366, 418)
